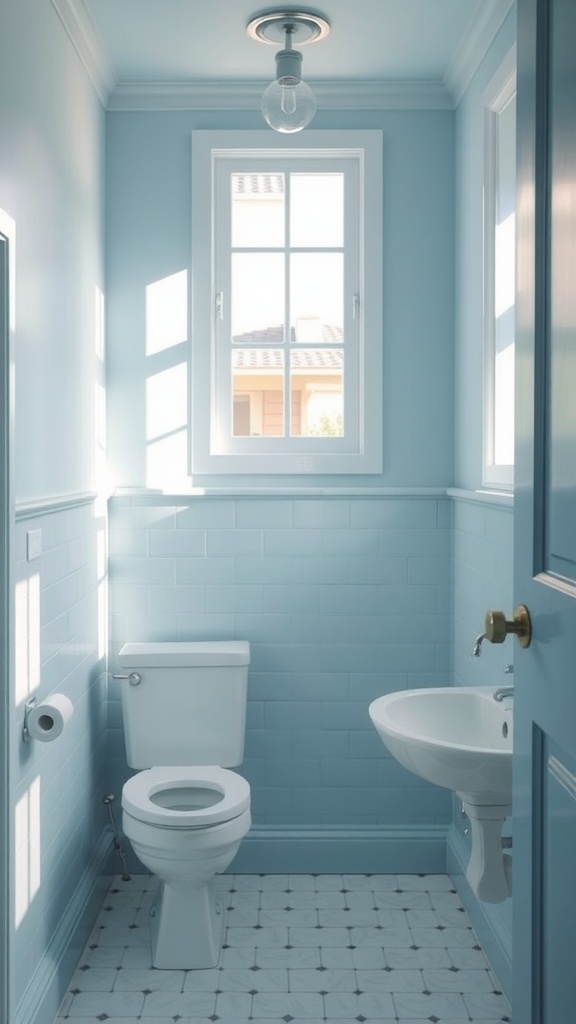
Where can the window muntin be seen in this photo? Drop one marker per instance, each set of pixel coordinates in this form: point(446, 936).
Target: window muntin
point(289, 372)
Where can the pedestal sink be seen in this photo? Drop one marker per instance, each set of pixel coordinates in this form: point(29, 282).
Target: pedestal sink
point(459, 738)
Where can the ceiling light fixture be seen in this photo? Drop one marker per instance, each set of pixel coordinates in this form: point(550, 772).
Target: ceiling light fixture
point(288, 104)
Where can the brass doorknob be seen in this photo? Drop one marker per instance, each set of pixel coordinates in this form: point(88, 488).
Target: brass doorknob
point(498, 626)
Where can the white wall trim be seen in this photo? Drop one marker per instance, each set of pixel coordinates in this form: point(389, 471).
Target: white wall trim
point(140, 496)
point(486, 21)
point(55, 503)
point(46, 989)
point(504, 499)
point(330, 95)
point(85, 39)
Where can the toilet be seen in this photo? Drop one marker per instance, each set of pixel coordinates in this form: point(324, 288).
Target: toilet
point(184, 812)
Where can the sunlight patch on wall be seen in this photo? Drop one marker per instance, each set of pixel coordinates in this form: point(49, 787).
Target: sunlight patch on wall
point(27, 628)
point(166, 312)
point(27, 848)
point(167, 426)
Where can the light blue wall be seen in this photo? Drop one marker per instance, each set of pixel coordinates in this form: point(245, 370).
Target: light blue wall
point(51, 184)
point(323, 588)
point(148, 191)
point(482, 542)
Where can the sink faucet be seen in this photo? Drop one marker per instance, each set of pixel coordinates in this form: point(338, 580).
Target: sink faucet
point(502, 692)
point(477, 649)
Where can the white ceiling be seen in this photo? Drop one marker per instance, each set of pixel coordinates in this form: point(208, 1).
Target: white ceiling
point(205, 41)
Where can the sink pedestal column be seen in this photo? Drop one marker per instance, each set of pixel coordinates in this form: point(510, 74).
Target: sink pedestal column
point(486, 873)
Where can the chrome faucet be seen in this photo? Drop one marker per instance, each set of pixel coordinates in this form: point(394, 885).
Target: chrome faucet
point(502, 692)
point(477, 649)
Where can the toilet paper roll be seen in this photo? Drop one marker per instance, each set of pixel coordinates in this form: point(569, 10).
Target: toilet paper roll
point(48, 719)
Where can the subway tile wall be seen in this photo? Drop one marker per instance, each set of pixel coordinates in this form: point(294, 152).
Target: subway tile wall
point(60, 626)
point(342, 599)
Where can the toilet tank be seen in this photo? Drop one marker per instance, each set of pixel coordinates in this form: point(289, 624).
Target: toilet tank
point(190, 705)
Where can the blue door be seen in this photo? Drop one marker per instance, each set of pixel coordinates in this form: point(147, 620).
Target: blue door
point(545, 518)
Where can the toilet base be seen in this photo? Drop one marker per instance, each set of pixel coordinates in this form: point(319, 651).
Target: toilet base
point(186, 927)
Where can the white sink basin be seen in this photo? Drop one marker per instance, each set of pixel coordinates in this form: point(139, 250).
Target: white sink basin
point(456, 737)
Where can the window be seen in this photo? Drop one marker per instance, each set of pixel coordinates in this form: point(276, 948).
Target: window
point(287, 281)
point(499, 297)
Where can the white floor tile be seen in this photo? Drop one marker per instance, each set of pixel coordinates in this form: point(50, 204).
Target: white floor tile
point(336, 949)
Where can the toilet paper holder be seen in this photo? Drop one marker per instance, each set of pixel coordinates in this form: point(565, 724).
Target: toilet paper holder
point(29, 705)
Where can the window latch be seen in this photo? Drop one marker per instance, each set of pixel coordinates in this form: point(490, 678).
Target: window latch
point(219, 305)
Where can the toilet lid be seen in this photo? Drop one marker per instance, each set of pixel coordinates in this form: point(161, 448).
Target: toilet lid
point(186, 797)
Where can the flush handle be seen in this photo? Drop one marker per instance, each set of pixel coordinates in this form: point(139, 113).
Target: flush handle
point(498, 626)
point(134, 678)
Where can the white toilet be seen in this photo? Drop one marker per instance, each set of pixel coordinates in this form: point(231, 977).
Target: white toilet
point(184, 711)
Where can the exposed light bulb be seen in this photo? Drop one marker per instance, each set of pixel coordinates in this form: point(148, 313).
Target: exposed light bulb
point(288, 104)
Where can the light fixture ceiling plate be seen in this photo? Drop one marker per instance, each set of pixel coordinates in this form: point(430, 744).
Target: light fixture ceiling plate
point(270, 27)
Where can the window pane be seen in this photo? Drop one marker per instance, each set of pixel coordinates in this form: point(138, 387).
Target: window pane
point(258, 297)
point(316, 297)
point(258, 392)
point(257, 210)
point(316, 386)
point(317, 210)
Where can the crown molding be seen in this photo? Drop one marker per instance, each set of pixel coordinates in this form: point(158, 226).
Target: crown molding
point(85, 39)
point(485, 23)
point(330, 95)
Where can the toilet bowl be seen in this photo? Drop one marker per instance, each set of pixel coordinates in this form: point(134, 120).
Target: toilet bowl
point(184, 812)
point(185, 824)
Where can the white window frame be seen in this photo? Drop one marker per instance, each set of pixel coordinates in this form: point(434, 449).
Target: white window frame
point(213, 450)
point(501, 90)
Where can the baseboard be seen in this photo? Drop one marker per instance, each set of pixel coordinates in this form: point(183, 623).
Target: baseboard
point(44, 994)
point(487, 920)
point(378, 850)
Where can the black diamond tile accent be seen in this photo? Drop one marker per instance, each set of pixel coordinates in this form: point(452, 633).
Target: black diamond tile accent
point(287, 1018)
point(214, 1016)
point(133, 927)
point(388, 969)
point(114, 890)
point(476, 947)
point(288, 947)
point(398, 890)
point(414, 947)
point(75, 991)
point(434, 1019)
point(427, 992)
point(440, 928)
point(287, 890)
point(344, 890)
point(317, 926)
point(496, 992)
point(257, 927)
point(321, 968)
point(255, 968)
point(95, 946)
point(323, 992)
point(379, 927)
point(217, 991)
point(358, 991)
point(454, 970)
point(232, 890)
point(253, 992)
point(361, 1018)
point(288, 908)
point(350, 947)
point(102, 1016)
point(85, 967)
point(229, 908)
point(147, 991)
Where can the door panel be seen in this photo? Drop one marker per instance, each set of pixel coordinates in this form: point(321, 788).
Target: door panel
point(545, 517)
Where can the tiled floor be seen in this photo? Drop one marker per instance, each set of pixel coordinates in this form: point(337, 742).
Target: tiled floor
point(298, 949)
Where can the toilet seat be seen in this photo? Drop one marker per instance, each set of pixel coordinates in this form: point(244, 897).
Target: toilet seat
point(186, 796)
